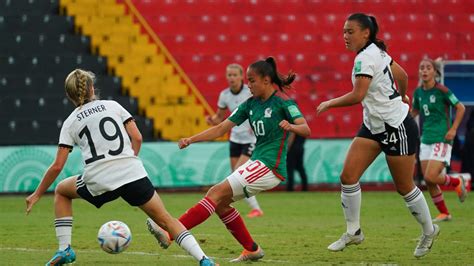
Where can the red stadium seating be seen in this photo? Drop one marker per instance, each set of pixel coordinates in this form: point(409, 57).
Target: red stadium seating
point(306, 36)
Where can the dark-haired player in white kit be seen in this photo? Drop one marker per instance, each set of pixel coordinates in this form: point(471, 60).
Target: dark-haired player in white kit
point(388, 127)
point(242, 139)
point(109, 141)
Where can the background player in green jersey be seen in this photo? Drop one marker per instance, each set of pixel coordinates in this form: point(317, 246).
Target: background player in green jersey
point(433, 101)
point(272, 115)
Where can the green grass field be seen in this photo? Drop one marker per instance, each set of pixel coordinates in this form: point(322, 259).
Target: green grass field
point(295, 230)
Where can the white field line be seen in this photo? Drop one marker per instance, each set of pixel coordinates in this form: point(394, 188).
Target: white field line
point(136, 253)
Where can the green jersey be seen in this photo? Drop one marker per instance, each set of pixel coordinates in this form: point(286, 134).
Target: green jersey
point(264, 117)
point(434, 108)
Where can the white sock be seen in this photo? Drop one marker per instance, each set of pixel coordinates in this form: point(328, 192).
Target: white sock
point(351, 198)
point(63, 228)
point(187, 242)
point(253, 203)
point(418, 207)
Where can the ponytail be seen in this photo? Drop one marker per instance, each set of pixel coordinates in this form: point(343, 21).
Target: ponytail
point(268, 68)
point(369, 22)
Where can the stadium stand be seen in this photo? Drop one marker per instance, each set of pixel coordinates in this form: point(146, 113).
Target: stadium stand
point(148, 71)
point(306, 36)
point(169, 56)
point(37, 51)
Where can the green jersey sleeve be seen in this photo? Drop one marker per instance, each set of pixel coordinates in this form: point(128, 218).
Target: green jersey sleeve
point(451, 98)
point(292, 111)
point(240, 114)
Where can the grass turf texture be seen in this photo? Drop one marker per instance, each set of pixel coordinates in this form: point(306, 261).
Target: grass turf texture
point(295, 230)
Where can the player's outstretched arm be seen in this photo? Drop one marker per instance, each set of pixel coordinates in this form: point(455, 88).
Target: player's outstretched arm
point(135, 136)
point(208, 134)
point(299, 127)
point(218, 117)
point(51, 174)
point(357, 94)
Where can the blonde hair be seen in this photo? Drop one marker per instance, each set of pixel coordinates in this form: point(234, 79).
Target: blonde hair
point(236, 66)
point(78, 86)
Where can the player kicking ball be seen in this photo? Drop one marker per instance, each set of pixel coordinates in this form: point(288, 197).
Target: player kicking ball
point(272, 115)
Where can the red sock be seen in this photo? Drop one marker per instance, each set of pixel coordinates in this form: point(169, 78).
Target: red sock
point(451, 181)
point(234, 223)
point(438, 200)
point(198, 213)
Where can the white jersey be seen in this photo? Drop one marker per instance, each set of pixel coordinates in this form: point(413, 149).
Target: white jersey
point(242, 134)
point(98, 129)
point(382, 104)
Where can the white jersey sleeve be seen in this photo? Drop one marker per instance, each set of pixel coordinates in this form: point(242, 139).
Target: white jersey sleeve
point(364, 66)
point(382, 103)
point(98, 129)
point(65, 137)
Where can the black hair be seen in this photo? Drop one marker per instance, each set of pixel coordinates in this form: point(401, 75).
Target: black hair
point(369, 22)
point(268, 68)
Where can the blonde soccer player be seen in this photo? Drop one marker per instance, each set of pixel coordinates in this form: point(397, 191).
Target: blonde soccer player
point(109, 141)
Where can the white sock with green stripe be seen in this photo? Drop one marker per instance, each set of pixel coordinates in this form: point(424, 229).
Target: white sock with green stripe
point(63, 228)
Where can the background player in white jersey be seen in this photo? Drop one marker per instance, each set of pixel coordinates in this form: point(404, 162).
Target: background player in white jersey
point(432, 101)
point(109, 141)
point(387, 127)
point(242, 140)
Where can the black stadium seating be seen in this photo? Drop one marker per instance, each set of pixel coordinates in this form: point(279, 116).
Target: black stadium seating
point(38, 49)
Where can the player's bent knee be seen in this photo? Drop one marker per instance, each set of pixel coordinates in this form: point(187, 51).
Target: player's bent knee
point(348, 179)
point(215, 194)
point(431, 178)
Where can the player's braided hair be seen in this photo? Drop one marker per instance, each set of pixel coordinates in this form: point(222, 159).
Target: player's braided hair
point(268, 68)
point(369, 22)
point(78, 86)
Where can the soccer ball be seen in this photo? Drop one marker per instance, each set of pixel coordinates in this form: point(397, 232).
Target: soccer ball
point(114, 237)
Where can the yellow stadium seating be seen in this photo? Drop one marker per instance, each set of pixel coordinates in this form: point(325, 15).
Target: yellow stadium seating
point(146, 71)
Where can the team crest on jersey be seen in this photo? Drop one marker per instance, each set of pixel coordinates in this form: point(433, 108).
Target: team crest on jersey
point(268, 112)
point(432, 99)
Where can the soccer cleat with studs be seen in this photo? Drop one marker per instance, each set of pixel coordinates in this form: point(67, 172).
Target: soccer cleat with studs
point(346, 240)
point(426, 242)
point(62, 257)
point(250, 255)
point(159, 233)
point(461, 189)
point(442, 217)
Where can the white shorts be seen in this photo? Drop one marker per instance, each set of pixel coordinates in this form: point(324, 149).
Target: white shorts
point(436, 151)
point(250, 179)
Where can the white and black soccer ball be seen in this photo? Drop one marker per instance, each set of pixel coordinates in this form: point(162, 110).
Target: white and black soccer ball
point(114, 237)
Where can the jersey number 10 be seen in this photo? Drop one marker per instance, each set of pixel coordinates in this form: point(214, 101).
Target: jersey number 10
point(117, 134)
point(258, 128)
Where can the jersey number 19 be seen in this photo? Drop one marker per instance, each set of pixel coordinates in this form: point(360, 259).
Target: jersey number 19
point(117, 134)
